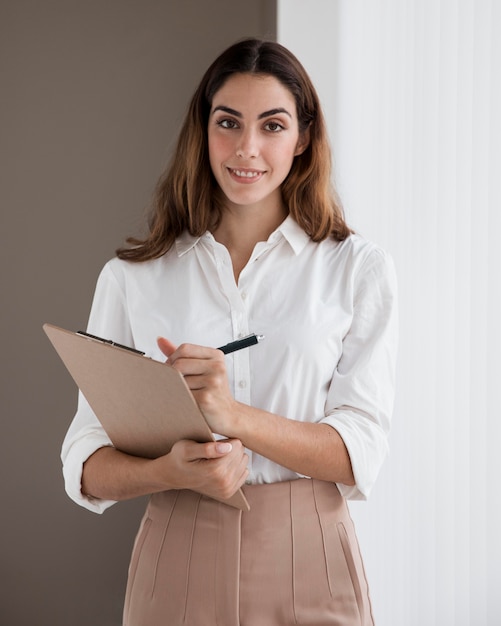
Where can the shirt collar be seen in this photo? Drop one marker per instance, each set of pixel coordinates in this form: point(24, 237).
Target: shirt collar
point(289, 229)
point(185, 242)
point(293, 233)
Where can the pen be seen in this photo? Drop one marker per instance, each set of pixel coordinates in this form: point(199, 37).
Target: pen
point(245, 342)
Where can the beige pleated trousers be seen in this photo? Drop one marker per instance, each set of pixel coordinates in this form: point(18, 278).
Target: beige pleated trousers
point(292, 559)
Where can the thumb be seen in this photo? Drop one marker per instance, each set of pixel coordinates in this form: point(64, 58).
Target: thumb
point(216, 449)
point(194, 451)
point(223, 447)
point(166, 346)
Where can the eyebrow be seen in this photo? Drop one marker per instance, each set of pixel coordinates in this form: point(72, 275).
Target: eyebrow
point(259, 117)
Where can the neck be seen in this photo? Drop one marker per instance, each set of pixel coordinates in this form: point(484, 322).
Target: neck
point(241, 228)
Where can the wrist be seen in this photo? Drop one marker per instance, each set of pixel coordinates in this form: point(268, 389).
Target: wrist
point(160, 474)
point(241, 421)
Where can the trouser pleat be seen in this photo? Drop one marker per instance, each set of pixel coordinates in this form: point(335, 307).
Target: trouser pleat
point(292, 559)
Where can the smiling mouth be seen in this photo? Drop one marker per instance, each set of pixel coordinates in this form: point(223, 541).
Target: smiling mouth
point(245, 174)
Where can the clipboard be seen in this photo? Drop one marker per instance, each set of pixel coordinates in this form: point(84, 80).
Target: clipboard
point(144, 405)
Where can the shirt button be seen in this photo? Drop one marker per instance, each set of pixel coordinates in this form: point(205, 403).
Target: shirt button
point(248, 481)
point(242, 384)
point(244, 295)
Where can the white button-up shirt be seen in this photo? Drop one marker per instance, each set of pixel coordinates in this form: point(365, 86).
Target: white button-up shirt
point(328, 314)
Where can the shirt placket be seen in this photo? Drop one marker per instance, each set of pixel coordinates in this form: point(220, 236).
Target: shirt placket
point(239, 361)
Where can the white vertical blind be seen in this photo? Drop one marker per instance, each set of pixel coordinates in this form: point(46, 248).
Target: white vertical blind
point(413, 100)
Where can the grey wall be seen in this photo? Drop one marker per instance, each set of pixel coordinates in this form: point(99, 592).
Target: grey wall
point(92, 95)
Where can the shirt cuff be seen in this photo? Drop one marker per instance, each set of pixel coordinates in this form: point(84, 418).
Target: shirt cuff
point(367, 447)
point(75, 456)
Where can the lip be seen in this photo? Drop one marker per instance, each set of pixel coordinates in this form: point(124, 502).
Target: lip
point(245, 175)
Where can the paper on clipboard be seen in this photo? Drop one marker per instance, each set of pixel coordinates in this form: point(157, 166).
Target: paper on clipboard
point(143, 405)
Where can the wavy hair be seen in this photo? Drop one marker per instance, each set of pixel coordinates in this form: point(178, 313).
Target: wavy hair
point(187, 196)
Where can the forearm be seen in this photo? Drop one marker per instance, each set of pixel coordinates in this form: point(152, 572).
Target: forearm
point(216, 468)
point(113, 475)
point(314, 450)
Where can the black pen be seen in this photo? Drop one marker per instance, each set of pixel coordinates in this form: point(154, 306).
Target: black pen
point(239, 344)
point(245, 342)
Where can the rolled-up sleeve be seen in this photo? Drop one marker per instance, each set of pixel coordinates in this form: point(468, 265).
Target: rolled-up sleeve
point(360, 400)
point(108, 318)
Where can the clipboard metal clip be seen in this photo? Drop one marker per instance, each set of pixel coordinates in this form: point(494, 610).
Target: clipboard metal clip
point(110, 342)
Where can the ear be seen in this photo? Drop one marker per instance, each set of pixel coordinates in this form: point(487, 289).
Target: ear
point(303, 142)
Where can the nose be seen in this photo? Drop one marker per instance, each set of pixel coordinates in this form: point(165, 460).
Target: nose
point(248, 145)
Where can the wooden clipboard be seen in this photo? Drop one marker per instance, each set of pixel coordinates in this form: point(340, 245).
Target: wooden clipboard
point(143, 405)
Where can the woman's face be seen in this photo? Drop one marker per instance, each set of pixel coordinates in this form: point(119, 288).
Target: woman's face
point(253, 137)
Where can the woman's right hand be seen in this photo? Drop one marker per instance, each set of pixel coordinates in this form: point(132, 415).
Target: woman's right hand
point(216, 469)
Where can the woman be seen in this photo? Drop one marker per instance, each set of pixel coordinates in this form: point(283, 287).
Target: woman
point(246, 235)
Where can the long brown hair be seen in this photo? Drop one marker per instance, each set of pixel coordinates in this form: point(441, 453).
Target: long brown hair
point(186, 196)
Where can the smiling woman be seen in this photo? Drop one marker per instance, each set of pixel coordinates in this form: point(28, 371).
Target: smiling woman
point(187, 195)
point(246, 234)
point(253, 137)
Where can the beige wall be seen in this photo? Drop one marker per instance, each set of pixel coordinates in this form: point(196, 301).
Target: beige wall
point(92, 94)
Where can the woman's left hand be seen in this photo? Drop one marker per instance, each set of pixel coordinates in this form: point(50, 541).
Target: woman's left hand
point(204, 371)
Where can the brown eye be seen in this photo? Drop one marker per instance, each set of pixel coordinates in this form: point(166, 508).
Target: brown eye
point(274, 127)
point(226, 123)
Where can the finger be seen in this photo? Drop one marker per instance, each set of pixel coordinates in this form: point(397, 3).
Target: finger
point(244, 476)
point(223, 447)
point(198, 366)
point(210, 450)
point(240, 472)
point(191, 351)
point(166, 346)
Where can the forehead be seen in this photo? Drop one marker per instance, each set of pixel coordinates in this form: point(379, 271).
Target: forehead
point(253, 94)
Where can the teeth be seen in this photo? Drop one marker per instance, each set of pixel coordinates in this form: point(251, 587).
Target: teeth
point(246, 174)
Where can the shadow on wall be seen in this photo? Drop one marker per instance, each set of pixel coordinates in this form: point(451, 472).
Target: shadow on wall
point(93, 94)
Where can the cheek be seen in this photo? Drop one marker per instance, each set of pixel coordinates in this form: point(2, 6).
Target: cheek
point(284, 156)
point(218, 147)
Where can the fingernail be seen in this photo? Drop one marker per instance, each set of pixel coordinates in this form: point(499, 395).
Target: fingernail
point(224, 447)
